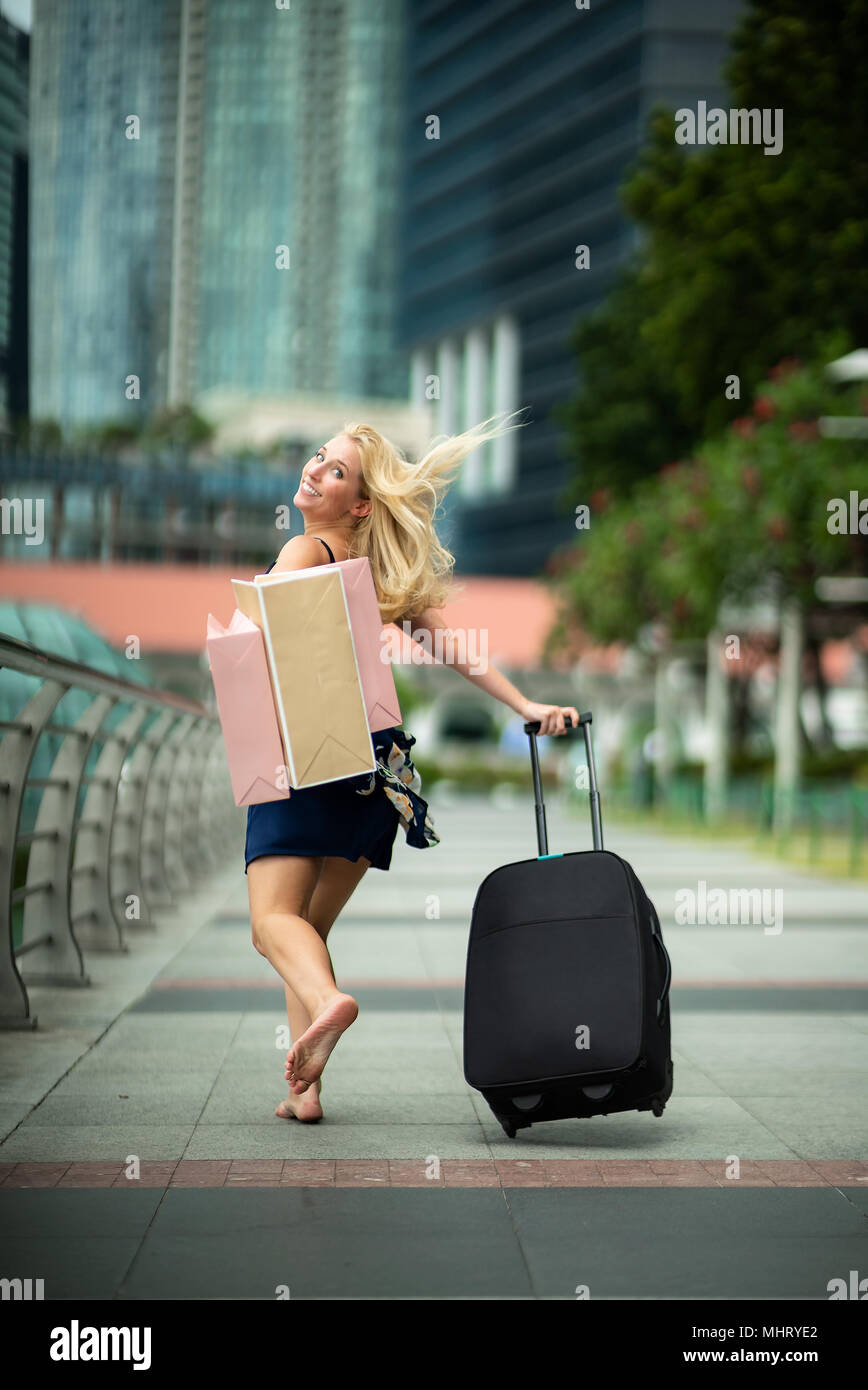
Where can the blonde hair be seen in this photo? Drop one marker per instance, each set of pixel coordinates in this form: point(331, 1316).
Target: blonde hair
point(411, 567)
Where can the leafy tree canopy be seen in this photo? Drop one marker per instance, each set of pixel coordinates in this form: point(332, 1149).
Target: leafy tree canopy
point(747, 259)
point(754, 505)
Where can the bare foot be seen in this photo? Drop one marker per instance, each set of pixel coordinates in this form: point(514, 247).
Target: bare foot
point(307, 1057)
point(303, 1107)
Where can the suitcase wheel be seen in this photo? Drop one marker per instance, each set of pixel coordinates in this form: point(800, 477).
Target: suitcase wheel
point(508, 1128)
point(526, 1102)
point(658, 1107)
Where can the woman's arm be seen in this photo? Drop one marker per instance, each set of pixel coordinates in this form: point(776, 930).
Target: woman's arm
point(493, 682)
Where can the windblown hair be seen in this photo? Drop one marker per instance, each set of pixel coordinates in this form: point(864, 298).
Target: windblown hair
point(411, 568)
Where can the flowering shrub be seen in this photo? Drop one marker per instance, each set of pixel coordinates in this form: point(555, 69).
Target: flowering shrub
point(753, 507)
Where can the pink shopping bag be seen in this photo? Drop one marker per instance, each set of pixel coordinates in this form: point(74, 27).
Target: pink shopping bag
point(245, 705)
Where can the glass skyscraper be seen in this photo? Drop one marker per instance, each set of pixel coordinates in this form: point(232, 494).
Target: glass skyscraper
point(522, 122)
point(104, 81)
point(245, 238)
point(14, 47)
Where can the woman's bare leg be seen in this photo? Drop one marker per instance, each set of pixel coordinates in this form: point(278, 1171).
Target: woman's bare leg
point(337, 883)
point(334, 882)
point(305, 1106)
point(280, 889)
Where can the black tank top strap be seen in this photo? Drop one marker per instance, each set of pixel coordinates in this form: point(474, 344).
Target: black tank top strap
point(328, 548)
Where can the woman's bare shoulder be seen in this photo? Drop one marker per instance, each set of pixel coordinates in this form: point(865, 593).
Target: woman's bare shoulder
point(301, 553)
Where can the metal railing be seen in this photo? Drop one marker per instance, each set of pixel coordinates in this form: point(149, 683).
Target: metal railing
point(820, 815)
point(134, 809)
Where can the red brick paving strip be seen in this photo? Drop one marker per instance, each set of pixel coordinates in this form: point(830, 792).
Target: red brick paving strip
point(452, 1172)
point(152, 1173)
point(361, 1172)
point(313, 1172)
point(32, 1174)
point(413, 1172)
point(201, 1173)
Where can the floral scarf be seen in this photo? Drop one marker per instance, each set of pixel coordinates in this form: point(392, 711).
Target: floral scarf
point(401, 782)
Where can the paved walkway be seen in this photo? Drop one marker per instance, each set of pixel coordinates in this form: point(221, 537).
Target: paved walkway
point(139, 1116)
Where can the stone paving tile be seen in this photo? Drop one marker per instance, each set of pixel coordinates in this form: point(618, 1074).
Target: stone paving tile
point(405, 1172)
point(784, 1171)
point(317, 1172)
point(152, 1173)
point(258, 1172)
point(200, 1173)
point(672, 1166)
point(520, 1172)
point(840, 1171)
point(623, 1168)
point(35, 1174)
point(572, 1172)
point(718, 1169)
point(473, 1172)
point(836, 1143)
point(33, 1143)
point(96, 1174)
point(331, 1140)
point(366, 1172)
point(256, 1165)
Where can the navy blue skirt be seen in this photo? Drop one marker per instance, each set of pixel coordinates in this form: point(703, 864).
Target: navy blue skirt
point(354, 817)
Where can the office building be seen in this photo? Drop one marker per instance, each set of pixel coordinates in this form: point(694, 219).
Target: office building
point(214, 194)
point(522, 123)
point(14, 62)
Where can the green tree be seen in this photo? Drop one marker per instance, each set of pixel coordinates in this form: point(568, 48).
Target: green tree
point(750, 508)
point(179, 427)
point(45, 434)
point(747, 258)
point(766, 505)
point(626, 421)
point(107, 436)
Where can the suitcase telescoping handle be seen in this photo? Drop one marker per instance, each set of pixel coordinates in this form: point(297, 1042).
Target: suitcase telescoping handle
point(532, 730)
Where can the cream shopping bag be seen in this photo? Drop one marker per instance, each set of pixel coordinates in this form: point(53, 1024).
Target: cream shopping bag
point(366, 625)
point(314, 673)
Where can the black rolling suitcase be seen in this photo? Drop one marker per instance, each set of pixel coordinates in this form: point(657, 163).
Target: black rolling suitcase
point(566, 997)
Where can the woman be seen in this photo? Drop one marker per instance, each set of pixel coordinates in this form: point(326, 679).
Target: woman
point(305, 856)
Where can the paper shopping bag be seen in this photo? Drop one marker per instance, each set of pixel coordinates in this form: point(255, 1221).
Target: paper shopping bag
point(245, 706)
point(314, 673)
point(378, 683)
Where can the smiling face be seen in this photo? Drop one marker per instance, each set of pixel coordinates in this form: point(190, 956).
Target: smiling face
point(329, 491)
